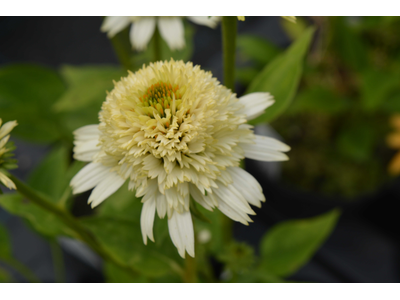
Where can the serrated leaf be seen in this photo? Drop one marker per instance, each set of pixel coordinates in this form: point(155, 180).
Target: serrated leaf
point(87, 85)
point(49, 176)
point(27, 93)
point(122, 239)
point(289, 245)
point(41, 220)
point(281, 77)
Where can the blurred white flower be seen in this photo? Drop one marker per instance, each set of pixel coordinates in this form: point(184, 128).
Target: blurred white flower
point(5, 160)
point(174, 132)
point(142, 29)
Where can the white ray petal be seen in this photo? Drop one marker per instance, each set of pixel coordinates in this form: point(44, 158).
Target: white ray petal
point(247, 185)
point(105, 188)
point(147, 219)
point(181, 231)
point(233, 212)
point(199, 197)
point(265, 149)
point(7, 181)
point(141, 32)
point(114, 24)
point(255, 104)
point(88, 132)
point(7, 127)
point(88, 177)
point(232, 197)
point(172, 31)
point(270, 143)
point(161, 205)
point(211, 22)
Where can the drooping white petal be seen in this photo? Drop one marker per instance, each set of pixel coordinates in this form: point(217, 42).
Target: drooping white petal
point(255, 104)
point(7, 127)
point(141, 32)
point(265, 149)
point(199, 197)
point(88, 132)
point(211, 22)
point(231, 196)
point(180, 228)
point(172, 31)
point(232, 212)
point(114, 24)
point(161, 205)
point(88, 177)
point(247, 185)
point(7, 181)
point(105, 188)
point(147, 219)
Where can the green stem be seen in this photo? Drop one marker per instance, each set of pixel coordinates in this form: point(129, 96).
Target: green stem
point(22, 269)
point(68, 220)
point(190, 275)
point(229, 30)
point(157, 45)
point(123, 49)
point(58, 261)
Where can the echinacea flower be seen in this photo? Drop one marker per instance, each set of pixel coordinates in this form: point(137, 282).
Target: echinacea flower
point(175, 133)
point(142, 29)
point(5, 161)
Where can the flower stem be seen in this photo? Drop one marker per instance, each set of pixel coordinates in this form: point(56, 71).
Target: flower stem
point(22, 269)
point(157, 45)
point(123, 49)
point(68, 220)
point(190, 275)
point(58, 261)
point(229, 30)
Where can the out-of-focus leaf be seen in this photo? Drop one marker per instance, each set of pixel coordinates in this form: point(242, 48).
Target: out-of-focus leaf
point(5, 245)
point(392, 104)
point(4, 276)
point(318, 100)
point(289, 245)
point(41, 220)
point(356, 141)
point(246, 75)
point(281, 77)
point(27, 93)
point(350, 45)
point(49, 177)
point(123, 240)
point(257, 49)
point(377, 87)
point(294, 30)
point(87, 85)
point(115, 274)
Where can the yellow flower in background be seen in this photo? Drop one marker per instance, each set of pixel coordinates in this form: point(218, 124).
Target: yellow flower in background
point(142, 29)
point(393, 141)
point(175, 133)
point(5, 161)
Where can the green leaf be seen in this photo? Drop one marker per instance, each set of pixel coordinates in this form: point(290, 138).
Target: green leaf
point(49, 177)
point(115, 274)
point(257, 49)
point(122, 239)
point(281, 77)
point(289, 245)
point(294, 30)
point(41, 220)
point(5, 245)
point(5, 277)
point(27, 93)
point(87, 85)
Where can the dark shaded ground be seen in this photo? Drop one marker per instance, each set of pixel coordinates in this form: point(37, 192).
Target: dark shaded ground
point(364, 246)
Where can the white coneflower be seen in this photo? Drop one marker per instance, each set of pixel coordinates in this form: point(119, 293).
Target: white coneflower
point(5, 160)
point(171, 29)
point(175, 133)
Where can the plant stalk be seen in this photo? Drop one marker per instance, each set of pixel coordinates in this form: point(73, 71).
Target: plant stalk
point(157, 45)
point(229, 31)
point(123, 49)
